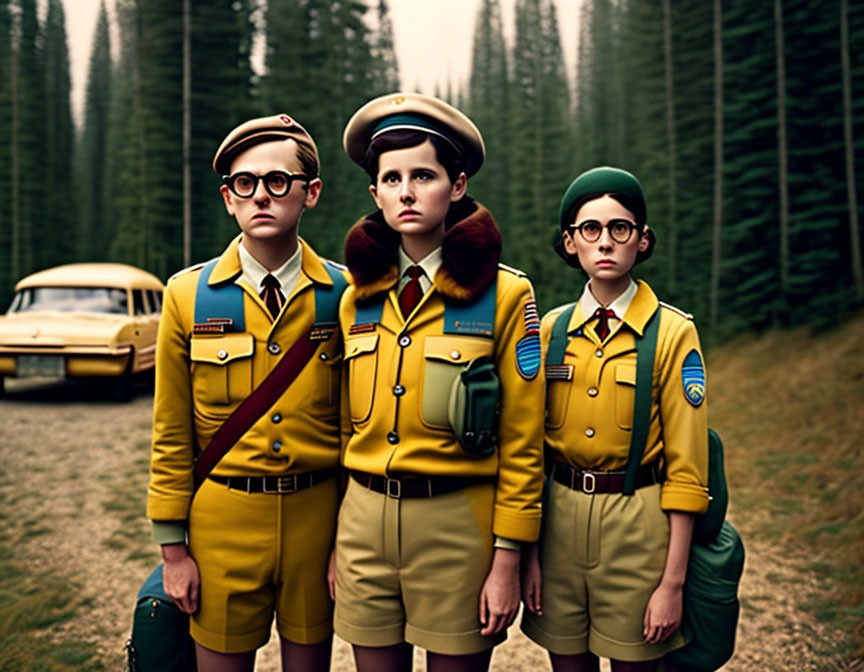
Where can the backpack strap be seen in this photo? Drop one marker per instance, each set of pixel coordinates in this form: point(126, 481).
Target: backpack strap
point(646, 348)
point(327, 297)
point(218, 304)
point(558, 340)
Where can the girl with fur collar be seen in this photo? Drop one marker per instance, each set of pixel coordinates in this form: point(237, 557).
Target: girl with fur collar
point(427, 551)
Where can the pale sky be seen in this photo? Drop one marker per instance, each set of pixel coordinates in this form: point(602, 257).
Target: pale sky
point(432, 39)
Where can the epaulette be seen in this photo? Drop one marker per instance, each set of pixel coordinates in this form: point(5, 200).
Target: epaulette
point(193, 267)
point(686, 316)
point(510, 269)
point(338, 267)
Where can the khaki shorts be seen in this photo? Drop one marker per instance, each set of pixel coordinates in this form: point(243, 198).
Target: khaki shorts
point(259, 552)
point(602, 558)
point(412, 569)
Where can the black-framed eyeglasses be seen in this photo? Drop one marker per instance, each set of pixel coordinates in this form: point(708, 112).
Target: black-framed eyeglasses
point(276, 182)
point(620, 230)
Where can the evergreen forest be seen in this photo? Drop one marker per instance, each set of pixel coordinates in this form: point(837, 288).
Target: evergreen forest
point(743, 119)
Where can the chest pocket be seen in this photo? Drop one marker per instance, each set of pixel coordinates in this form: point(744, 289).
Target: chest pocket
point(444, 358)
point(559, 381)
point(361, 357)
point(625, 394)
point(221, 368)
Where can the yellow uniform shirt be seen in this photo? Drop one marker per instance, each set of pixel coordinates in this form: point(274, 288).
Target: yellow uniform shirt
point(202, 378)
point(398, 379)
point(590, 417)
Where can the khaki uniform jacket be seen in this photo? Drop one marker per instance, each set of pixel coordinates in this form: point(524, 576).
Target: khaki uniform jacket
point(590, 417)
point(202, 378)
point(392, 430)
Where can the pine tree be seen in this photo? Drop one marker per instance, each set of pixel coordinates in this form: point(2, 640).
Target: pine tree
point(6, 56)
point(386, 67)
point(95, 217)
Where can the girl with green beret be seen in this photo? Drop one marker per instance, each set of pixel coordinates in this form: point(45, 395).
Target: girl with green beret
point(606, 579)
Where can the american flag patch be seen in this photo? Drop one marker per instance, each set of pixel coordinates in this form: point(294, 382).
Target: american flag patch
point(532, 319)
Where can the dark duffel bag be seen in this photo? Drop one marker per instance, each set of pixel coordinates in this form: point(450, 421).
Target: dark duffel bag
point(160, 639)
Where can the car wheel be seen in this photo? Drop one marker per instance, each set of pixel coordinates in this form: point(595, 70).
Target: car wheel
point(2, 386)
point(122, 387)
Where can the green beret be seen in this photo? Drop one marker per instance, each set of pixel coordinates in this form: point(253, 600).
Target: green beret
point(414, 111)
point(595, 183)
point(256, 131)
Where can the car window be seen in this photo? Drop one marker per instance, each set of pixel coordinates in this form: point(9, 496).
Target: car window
point(138, 302)
point(68, 299)
point(155, 300)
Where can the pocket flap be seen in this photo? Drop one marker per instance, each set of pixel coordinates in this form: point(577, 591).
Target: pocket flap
point(626, 374)
point(456, 349)
point(360, 345)
point(221, 349)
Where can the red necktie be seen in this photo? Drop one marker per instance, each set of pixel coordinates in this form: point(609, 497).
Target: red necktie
point(411, 293)
point(602, 327)
point(271, 295)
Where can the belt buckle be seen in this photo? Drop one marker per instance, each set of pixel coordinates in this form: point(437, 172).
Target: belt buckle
point(589, 482)
point(394, 492)
point(285, 484)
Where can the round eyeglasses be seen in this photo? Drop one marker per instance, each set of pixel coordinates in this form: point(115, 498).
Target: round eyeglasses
point(620, 230)
point(276, 182)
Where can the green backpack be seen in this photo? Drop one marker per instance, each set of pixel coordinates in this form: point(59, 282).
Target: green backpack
point(711, 606)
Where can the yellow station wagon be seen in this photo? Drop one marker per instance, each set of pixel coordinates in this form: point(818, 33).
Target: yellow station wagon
point(82, 321)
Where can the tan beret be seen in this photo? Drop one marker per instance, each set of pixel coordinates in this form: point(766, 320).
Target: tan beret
point(255, 131)
point(400, 111)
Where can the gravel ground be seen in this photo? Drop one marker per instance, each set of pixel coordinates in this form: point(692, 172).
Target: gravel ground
point(74, 466)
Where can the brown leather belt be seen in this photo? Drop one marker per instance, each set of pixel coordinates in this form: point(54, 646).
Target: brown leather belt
point(602, 482)
point(413, 487)
point(283, 484)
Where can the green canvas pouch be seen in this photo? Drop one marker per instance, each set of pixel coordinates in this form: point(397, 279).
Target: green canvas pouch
point(472, 410)
point(160, 639)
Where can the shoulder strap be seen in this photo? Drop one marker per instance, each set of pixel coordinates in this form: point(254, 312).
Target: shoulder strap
point(558, 339)
point(646, 347)
point(220, 302)
point(327, 296)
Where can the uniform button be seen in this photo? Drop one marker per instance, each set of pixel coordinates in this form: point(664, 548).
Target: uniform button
point(392, 438)
point(589, 432)
point(277, 446)
point(592, 391)
point(399, 390)
point(222, 354)
point(323, 356)
point(274, 348)
point(598, 352)
point(455, 354)
point(404, 340)
point(277, 418)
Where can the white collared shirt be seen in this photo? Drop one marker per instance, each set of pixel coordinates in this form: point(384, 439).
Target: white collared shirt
point(430, 265)
point(254, 271)
point(588, 304)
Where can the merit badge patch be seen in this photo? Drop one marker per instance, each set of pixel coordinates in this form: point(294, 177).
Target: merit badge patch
point(693, 378)
point(528, 356)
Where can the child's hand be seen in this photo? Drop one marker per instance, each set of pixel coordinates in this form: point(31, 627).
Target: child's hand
point(663, 615)
point(532, 579)
point(499, 599)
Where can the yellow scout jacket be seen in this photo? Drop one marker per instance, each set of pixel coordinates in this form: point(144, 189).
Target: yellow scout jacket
point(589, 417)
point(202, 378)
point(424, 366)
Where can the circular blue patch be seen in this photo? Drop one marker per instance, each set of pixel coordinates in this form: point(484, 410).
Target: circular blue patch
point(528, 356)
point(693, 377)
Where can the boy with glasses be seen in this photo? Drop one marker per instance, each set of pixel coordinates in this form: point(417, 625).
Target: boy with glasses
point(251, 535)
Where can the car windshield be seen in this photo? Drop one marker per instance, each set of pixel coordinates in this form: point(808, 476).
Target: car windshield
point(68, 299)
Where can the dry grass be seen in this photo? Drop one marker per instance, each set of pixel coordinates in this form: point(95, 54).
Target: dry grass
point(790, 408)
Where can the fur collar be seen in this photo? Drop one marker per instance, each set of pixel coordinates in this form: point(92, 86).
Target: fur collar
point(470, 253)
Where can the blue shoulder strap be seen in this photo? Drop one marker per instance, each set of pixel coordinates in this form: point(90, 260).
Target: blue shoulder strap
point(327, 297)
point(465, 318)
point(219, 302)
point(558, 339)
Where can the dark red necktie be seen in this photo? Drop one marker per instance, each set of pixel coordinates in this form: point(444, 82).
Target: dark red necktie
point(602, 327)
point(271, 295)
point(411, 293)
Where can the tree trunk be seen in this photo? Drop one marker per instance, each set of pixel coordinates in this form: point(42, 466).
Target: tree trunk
point(783, 160)
point(718, 161)
point(849, 142)
point(670, 134)
point(187, 133)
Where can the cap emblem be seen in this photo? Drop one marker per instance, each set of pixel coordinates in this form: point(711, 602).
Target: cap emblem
point(285, 119)
point(398, 100)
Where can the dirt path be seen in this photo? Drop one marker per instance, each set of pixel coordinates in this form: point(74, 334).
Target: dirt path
point(74, 469)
